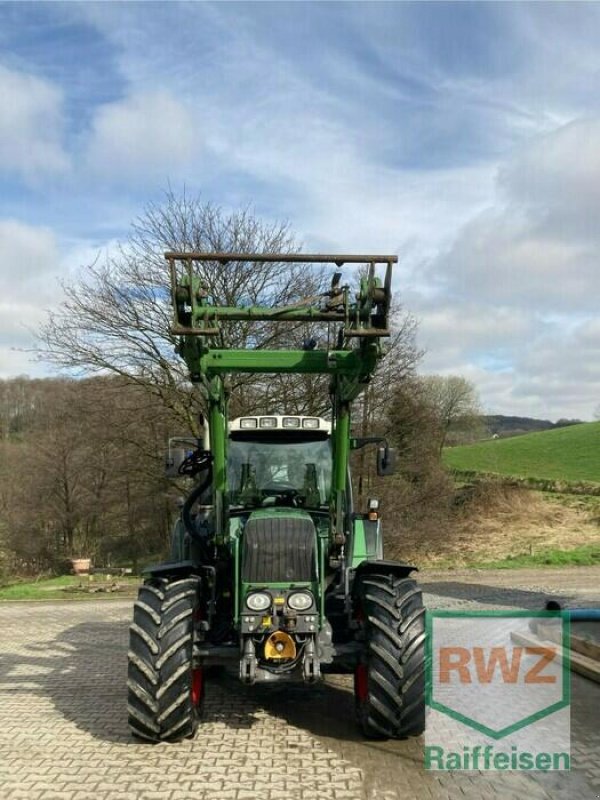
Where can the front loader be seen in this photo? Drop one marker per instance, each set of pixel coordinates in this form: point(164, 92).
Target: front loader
point(273, 572)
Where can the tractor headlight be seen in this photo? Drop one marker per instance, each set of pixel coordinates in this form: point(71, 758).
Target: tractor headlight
point(258, 601)
point(300, 601)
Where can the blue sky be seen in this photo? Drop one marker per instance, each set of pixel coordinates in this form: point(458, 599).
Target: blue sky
point(465, 137)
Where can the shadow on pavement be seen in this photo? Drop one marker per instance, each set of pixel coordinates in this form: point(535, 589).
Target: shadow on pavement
point(326, 712)
point(532, 599)
point(82, 671)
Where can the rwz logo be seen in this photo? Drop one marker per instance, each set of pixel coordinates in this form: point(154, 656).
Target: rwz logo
point(457, 662)
point(486, 670)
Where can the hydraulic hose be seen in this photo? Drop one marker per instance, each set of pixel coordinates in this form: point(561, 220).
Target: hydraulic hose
point(186, 511)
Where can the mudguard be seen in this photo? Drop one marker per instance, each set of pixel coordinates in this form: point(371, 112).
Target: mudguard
point(382, 567)
point(171, 569)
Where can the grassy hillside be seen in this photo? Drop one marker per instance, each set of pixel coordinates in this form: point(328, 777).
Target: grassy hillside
point(568, 454)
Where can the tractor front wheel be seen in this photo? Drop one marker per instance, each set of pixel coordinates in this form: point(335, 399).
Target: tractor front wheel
point(389, 682)
point(165, 692)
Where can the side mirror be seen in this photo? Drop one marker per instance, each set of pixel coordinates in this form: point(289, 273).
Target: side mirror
point(180, 448)
point(175, 458)
point(386, 461)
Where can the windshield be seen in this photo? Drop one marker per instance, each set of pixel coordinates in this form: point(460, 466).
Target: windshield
point(275, 469)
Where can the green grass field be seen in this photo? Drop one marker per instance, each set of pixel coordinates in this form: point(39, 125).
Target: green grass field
point(69, 587)
point(585, 556)
point(562, 454)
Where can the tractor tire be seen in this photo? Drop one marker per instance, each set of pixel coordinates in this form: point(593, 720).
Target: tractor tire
point(389, 683)
point(165, 692)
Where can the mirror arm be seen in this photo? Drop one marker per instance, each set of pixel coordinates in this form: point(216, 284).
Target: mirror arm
point(358, 442)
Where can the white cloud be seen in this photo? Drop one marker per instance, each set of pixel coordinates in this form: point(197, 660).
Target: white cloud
point(558, 177)
point(528, 364)
point(472, 328)
point(568, 358)
point(145, 137)
point(31, 126)
point(537, 246)
point(327, 175)
point(14, 362)
point(29, 269)
point(29, 260)
point(506, 257)
point(515, 292)
point(33, 262)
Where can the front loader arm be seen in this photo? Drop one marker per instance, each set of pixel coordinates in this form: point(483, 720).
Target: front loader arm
point(362, 321)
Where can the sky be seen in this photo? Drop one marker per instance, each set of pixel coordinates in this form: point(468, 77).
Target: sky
point(464, 137)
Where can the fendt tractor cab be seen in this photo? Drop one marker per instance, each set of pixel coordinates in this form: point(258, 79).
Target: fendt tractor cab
point(272, 570)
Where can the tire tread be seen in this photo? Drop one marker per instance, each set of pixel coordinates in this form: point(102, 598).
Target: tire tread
point(395, 657)
point(160, 661)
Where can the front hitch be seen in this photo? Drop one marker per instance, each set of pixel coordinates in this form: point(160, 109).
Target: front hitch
point(248, 663)
point(311, 669)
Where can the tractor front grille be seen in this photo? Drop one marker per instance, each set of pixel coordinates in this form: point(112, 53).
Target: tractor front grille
point(278, 549)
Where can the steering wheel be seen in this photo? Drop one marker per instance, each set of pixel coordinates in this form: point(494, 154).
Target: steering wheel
point(285, 491)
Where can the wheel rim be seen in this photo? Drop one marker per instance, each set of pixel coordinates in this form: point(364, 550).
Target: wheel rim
point(361, 683)
point(197, 686)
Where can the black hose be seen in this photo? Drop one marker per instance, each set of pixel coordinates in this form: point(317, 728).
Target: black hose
point(186, 511)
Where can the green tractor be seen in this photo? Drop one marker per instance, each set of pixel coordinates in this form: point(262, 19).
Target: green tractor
point(273, 572)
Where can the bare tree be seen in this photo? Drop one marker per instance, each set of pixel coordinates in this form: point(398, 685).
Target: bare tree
point(19, 401)
point(394, 372)
point(83, 474)
point(455, 403)
point(116, 316)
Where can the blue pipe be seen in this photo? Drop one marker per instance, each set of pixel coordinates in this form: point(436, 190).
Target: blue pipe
point(584, 614)
point(575, 614)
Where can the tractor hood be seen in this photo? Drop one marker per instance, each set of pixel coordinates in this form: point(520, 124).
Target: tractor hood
point(278, 512)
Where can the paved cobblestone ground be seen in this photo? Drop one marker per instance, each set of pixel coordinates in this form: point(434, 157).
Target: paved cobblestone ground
point(63, 727)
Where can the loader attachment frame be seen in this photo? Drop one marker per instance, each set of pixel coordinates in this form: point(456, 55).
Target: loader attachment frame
point(362, 320)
